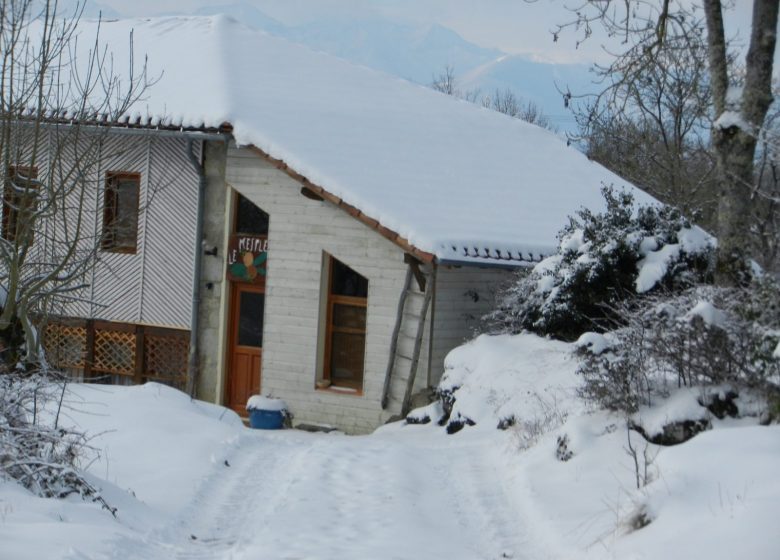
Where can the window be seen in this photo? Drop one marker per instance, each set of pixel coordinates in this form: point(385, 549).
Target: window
point(345, 334)
point(120, 212)
point(19, 194)
point(250, 219)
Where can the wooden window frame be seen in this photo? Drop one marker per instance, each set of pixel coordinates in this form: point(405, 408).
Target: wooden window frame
point(107, 241)
point(11, 201)
point(330, 329)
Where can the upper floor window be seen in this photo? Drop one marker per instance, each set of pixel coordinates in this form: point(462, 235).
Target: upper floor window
point(250, 219)
point(120, 212)
point(19, 196)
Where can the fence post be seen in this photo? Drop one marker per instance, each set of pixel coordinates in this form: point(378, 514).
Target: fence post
point(89, 358)
point(138, 378)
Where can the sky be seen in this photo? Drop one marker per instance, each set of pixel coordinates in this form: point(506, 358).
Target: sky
point(514, 26)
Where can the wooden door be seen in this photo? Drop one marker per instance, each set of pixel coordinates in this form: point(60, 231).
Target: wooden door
point(246, 344)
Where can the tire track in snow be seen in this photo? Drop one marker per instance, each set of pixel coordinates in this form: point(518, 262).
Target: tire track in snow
point(295, 496)
point(478, 499)
point(213, 524)
point(218, 521)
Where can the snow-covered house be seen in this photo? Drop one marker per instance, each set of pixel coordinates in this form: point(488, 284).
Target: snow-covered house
point(340, 231)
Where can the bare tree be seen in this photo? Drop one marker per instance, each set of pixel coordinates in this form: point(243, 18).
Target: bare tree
point(505, 101)
point(740, 105)
point(766, 195)
point(654, 131)
point(57, 101)
point(445, 82)
point(740, 117)
point(508, 103)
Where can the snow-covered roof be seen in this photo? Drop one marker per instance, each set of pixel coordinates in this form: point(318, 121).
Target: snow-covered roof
point(452, 179)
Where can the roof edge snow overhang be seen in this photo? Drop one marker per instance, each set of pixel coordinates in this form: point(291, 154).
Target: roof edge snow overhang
point(206, 134)
point(424, 256)
point(487, 263)
point(125, 122)
point(356, 213)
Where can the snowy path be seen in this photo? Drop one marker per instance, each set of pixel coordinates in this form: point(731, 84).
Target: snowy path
point(292, 495)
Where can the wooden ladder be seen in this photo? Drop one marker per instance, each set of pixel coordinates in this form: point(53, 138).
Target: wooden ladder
point(397, 358)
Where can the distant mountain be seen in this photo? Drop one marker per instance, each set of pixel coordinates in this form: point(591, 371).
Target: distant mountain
point(418, 52)
point(412, 52)
point(246, 14)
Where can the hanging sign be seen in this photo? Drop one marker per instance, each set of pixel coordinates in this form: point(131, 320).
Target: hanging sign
point(246, 258)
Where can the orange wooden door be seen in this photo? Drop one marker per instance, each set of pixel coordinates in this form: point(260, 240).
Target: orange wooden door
point(246, 344)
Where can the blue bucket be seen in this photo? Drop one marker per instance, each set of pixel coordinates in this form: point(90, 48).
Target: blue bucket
point(266, 419)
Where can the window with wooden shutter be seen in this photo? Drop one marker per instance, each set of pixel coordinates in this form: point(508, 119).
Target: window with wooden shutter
point(120, 212)
point(345, 335)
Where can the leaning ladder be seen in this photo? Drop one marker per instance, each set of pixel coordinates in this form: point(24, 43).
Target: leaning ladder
point(395, 355)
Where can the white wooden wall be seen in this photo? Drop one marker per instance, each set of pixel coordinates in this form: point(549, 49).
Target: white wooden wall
point(300, 231)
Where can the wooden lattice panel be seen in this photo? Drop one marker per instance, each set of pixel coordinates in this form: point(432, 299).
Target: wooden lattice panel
point(114, 352)
point(165, 358)
point(65, 345)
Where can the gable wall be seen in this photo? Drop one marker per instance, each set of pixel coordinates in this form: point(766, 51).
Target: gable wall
point(300, 230)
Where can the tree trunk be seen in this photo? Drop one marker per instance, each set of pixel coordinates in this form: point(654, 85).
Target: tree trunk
point(735, 139)
point(735, 149)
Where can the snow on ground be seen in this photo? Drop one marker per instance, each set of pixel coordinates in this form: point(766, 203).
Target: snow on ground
point(156, 446)
point(191, 482)
point(714, 497)
point(522, 377)
point(209, 488)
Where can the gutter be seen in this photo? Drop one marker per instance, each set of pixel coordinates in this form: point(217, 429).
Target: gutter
point(487, 263)
point(163, 133)
point(123, 130)
point(192, 357)
point(191, 137)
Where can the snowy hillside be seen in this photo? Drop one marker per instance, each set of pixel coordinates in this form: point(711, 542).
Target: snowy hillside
point(189, 481)
point(414, 52)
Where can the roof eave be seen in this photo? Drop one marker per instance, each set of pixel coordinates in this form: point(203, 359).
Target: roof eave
point(486, 263)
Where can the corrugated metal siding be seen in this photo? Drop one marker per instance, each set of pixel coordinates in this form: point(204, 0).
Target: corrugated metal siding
point(84, 198)
point(90, 232)
point(154, 285)
point(116, 290)
point(171, 213)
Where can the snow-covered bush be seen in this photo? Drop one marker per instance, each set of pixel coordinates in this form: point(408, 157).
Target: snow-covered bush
point(35, 450)
point(604, 259)
point(705, 336)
